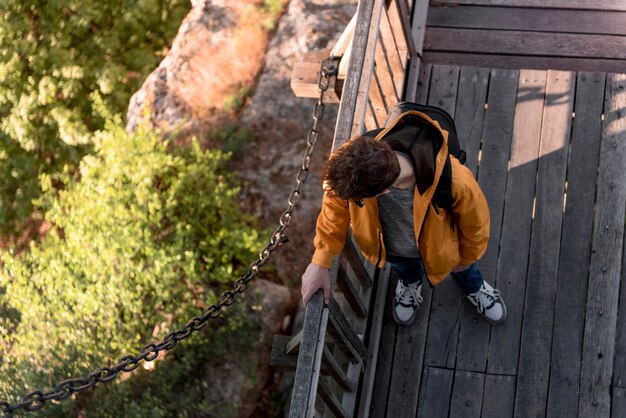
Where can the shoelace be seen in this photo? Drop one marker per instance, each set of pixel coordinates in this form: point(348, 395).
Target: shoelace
point(485, 298)
point(412, 294)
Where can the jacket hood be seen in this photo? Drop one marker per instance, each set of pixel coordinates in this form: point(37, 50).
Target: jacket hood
point(423, 140)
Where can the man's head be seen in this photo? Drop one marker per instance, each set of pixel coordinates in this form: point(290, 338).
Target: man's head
point(361, 168)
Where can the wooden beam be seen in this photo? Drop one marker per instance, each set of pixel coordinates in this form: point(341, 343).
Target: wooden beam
point(538, 325)
point(305, 75)
point(310, 358)
point(351, 252)
point(367, 70)
point(530, 62)
point(565, 45)
point(331, 400)
point(519, 193)
point(546, 4)
point(571, 295)
point(350, 294)
point(525, 19)
point(345, 116)
point(605, 267)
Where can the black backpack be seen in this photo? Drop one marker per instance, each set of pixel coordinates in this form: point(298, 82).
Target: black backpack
point(410, 131)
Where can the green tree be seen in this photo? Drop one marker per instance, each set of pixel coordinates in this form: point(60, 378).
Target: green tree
point(145, 240)
point(54, 55)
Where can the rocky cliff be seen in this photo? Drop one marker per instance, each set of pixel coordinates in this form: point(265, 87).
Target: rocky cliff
point(224, 53)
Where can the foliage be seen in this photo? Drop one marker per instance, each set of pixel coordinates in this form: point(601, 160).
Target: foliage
point(144, 241)
point(54, 55)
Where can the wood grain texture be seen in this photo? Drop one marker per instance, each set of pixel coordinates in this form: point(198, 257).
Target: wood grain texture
point(384, 76)
point(517, 219)
point(534, 362)
point(367, 69)
point(309, 358)
point(525, 43)
point(605, 268)
point(467, 394)
point(598, 22)
point(499, 396)
point(375, 341)
point(619, 369)
point(347, 107)
point(546, 4)
point(529, 62)
point(471, 353)
point(493, 166)
point(434, 400)
point(569, 316)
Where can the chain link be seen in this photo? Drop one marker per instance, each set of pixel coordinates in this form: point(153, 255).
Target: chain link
point(36, 400)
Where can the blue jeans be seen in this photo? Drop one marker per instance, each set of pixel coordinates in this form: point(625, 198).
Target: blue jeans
point(411, 270)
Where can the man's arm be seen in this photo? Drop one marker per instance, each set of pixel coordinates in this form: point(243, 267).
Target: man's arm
point(330, 236)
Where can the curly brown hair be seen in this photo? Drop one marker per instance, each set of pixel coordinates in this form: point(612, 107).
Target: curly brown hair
point(361, 168)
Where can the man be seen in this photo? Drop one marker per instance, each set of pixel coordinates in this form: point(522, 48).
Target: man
point(385, 191)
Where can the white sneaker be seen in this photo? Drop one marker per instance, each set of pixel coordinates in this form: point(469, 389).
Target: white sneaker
point(489, 303)
point(406, 302)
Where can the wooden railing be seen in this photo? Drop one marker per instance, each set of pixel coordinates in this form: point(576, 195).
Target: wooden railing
point(335, 354)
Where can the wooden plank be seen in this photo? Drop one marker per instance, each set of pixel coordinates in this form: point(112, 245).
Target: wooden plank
point(471, 353)
point(398, 20)
point(370, 122)
point(305, 75)
point(333, 369)
point(499, 396)
point(446, 306)
point(547, 4)
point(492, 169)
point(374, 340)
point(619, 369)
point(377, 102)
point(534, 364)
point(331, 400)
point(517, 219)
point(387, 38)
point(352, 254)
point(345, 116)
point(525, 43)
point(310, 358)
point(418, 24)
point(382, 379)
point(605, 267)
point(435, 393)
point(423, 83)
point(467, 394)
point(350, 294)
point(569, 316)
point(470, 110)
point(384, 75)
point(281, 359)
point(408, 359)
point(367, 70)
point(293, 346)
point(618, 402)
point(516, 61)
point(525, 19)
point(341, 327)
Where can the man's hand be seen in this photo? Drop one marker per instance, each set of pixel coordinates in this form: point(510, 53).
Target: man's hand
point(314, 278)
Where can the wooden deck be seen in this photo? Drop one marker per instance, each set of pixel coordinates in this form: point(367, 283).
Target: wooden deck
point(549, 150)
point(578, 35)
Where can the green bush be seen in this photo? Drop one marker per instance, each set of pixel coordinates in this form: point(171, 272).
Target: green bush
point(54, 55)
point(144, 241)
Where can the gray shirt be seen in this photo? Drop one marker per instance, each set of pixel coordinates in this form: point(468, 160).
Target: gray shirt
point(396, 218)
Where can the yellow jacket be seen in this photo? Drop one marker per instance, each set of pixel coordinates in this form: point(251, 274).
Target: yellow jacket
point(443, 244)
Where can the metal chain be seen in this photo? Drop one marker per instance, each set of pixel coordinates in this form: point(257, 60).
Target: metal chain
point(36, 400)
